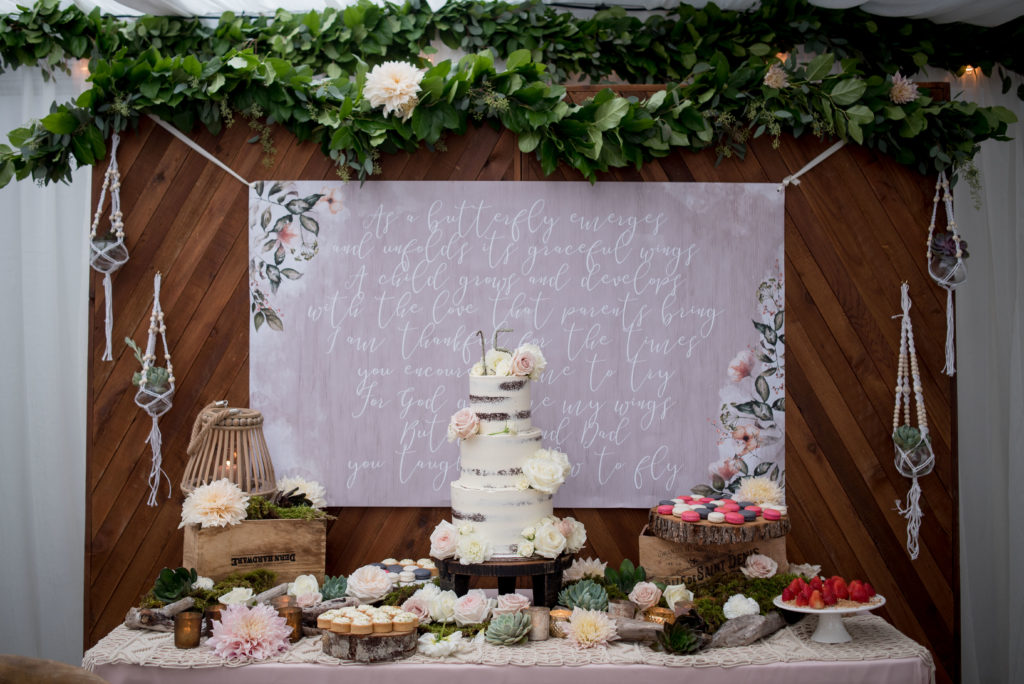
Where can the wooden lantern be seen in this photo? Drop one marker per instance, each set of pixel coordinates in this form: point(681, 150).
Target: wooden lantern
point(228, 443)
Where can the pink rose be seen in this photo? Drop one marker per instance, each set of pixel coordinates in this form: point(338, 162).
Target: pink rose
point(308, 600)
point(464, 424)
point(645, 595)
point(510, 603)
point(523, 363)
point(473, 608)
point(741, 366)
point(418, 606)
point(444, 540)
point(565, 526)
point(759, 565)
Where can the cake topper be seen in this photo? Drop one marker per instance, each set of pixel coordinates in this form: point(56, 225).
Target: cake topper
point(483, 348)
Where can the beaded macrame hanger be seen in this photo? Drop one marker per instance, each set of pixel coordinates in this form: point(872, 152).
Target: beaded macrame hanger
point(917, 459)
point(947, 278)
point(154, 402)
point(108, 253)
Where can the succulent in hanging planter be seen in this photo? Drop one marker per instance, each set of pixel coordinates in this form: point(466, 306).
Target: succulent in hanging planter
point(946, 250)
point(627, 575)
point(585, 594)
point(509, 629)
point(172, 585)
point(334, 587)
point(909, 440)
point(679, 638)
point(157, 378)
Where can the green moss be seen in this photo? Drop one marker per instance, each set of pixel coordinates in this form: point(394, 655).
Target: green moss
point(259, 508)
point(712, 594)
point(441, 630)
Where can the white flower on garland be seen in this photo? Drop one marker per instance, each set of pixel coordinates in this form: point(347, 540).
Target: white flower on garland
point(393, 86)
point(312, 490)
point(776, 77)
point(739, 605)
point(473, 549)
point(581, 569)
point(903, 91)
point(218, 504)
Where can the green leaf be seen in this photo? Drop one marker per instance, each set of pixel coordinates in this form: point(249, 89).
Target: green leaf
point(61, 123)
point(265, 219)
point(258, 320)
point(847, 91)
point(273, 320)
point(762, 468)
point(290, 273)
point(860, 114)
point(310, 224)
point(763, 411)
point(761, 387)
point(741, 466)
point(780, 318)
point(717, 482)
point(702, 490)
point(517, 59)
point(528, 141)
point(853, 129)
point(779, 404)
point(609, 114)
point(820, 66)
point(655, 100)
point(746, 407)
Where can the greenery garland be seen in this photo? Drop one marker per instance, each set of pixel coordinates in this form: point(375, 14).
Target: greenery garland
point(297, 71)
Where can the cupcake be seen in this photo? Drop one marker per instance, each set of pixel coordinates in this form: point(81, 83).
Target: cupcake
point(389, 561)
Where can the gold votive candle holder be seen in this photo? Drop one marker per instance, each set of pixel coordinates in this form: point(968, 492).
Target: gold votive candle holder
point(282, 601)
point(188, 627)
point(540, 623)
point(557, 615)
point(212, 613)
point(293, 617)
point(659, 615)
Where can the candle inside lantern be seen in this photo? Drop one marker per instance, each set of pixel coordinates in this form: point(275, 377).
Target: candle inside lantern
point(212, 613)
point(188, 627)
point(293, 617)
point(540, 623)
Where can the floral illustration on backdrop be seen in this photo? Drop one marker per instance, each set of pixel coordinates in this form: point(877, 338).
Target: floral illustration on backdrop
point(751, 424)
point(284, 229)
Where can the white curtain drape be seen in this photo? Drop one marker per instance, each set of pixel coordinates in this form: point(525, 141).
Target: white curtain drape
point(43, 324)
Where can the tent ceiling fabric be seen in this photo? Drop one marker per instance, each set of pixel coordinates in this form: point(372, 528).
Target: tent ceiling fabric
point(979, 12)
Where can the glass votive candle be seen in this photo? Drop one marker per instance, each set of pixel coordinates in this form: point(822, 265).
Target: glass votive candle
point(540, 623)
point(558, 615)
point(188, 627)
point(293, 617)
point(283, 601)
point(212, 612)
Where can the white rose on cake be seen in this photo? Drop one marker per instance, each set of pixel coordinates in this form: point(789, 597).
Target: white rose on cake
point(444, 540)
point(495, 359)
point(369, 584)
point(549, 542)
point(473, 549)
point(473, 608)
point(525, 549)
point(528, 361)
point(544, 472)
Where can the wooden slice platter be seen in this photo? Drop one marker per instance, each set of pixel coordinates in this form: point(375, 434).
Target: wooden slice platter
point(671, 528)
point(370, 648)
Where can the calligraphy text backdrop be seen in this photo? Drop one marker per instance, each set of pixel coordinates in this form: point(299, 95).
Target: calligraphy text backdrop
point(639, 297)
point(855, 229)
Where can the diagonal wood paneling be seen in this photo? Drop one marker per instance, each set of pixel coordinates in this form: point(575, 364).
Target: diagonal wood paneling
point(855, 229)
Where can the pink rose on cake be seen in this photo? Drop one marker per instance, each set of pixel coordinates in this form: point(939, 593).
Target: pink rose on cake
point(574, 532)
point(444, 540)
point(528, 361)
point(645, 595)
point(549, 542)
point(510, 603)
point(473, 608)
point(463, 425)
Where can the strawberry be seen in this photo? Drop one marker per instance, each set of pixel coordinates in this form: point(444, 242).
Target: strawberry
point(816, 601)
point(795, 585)
point(816, 584)
point(870, 589)
point(787, 595)
point(858, 593)
point(828, 597)
point(840, 589)
point(806, 592)
point(802, 601)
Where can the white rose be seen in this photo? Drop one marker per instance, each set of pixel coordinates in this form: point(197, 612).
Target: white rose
point(369, 584)
point(466, 528)
point(539, 362)
point(525, 549)
point(473, 608)
point(739, 605)
point(759, 565)
point(529, 532)
point(503, 368)
point(444, 540)
point(428, 591)
point(549, 542)
point(645, 595)
point(522, 484)
point(205, 583)
point(543, 473)
point(577, 537)
point(494, 358)
point(442, 606)
point(303, 584)
point(477, 369)
point(237, 595)
point(676, 593)
point(473, 549)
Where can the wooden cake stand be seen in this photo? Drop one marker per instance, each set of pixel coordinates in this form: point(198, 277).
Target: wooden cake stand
point(546, 575)
point(671, 528)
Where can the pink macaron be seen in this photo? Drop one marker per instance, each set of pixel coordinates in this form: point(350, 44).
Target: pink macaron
point(690, 516)
point(665, 510)
point(756, 509)
point(734, 518)
point(770, 514)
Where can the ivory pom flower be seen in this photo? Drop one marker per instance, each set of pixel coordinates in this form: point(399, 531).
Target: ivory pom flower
point(203, 583)
point(580, 569)
point(314, 491)
point(903, 91)
point(368, 584)
point(218, 504)
point(761, 490)
point(394, 86)
point(253, 633)
point(589, 628)
point(739, 605)
point(776, 77)
point(759, 565)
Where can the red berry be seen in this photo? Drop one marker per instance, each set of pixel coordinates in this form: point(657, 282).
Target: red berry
point(840, 589)
point(828, 597)
point(859, 594)
point(816, 584)
point(801, 601)
point(816, 601)
point(870, 589)
point(787, 595)
point(794, 586)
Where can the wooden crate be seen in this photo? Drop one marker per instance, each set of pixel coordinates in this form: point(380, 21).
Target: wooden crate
point(672, 562)
point(288, 547)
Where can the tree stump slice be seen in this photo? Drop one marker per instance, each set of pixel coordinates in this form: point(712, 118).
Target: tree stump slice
point(370, 648)
point(545, 573)
point(671, 528)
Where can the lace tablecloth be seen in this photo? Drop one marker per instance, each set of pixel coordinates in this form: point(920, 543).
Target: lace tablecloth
point(874, 641)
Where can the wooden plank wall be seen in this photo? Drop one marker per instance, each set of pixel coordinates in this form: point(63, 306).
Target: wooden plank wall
point(855, 228)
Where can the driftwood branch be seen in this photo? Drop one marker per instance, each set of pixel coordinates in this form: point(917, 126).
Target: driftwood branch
point(637, 630)
point(279, 590)
point(157, 619)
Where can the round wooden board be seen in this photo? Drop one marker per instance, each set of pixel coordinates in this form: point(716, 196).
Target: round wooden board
point(506, 567)
point(671, 528)
point(370, 648)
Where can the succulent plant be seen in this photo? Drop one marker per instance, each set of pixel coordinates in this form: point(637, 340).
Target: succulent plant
point(508, 629)
point(172, 585)
point(627, 575)
point(680, 638)
point(945, 245)
point(334, 587)
point(907, 437)
point(156, 378)
point(586, 594)
point(274, 506)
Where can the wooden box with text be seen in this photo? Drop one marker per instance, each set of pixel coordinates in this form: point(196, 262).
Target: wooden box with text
point(288, 547)
point(673, 562)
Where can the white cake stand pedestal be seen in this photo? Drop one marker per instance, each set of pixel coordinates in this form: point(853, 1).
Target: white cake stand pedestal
point(830, 620)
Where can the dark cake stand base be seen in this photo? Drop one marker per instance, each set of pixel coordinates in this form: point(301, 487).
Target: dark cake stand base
point(546, 575)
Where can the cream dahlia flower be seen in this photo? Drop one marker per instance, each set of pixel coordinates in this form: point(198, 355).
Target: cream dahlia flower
point(761, 490)
point(581, 569)
point(218, 504)
point(903, 90)
point(254, 633)
point(312, 490)
point(394, 86)
point(589, 628)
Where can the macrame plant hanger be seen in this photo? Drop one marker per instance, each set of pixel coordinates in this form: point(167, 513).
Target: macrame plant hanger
point(914, 455)
point(947, 277)
point(155, 401)
point(108, 253)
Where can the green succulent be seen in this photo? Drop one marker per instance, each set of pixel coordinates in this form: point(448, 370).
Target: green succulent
point(334, 587)
point(907, 437)
point(172, 585)
point(627, 576)
point(156, 378)
point(586, 594)
point(679, 638)
point(508, 629)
